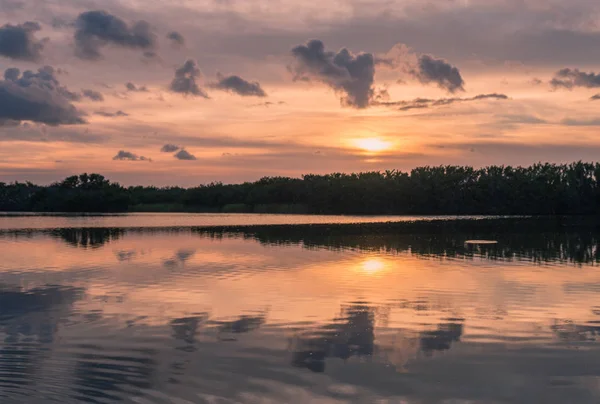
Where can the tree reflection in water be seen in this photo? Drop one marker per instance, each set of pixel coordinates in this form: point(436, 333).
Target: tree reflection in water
point(442, 338)
point(538, 240)
point(241, 325)
point(353, 335)
point(569, 331)
point(88, 237)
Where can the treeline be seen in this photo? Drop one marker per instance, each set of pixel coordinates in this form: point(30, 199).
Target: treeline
point(541, 189)
point(79, 193)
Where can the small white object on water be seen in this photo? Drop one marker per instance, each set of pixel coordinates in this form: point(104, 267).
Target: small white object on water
point(481, 242)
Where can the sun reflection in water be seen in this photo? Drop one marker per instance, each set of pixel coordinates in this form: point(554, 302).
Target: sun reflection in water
point(372, 266)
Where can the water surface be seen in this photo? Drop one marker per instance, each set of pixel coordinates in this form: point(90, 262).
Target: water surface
point(128, 220)
point(183, 315)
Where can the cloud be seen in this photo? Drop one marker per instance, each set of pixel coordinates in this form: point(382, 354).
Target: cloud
point(185, 80)
point(151, 56)
point(581, 122)
point(19, 41)
point(169, 148)
point(95, 29)
point(595, 97)
point(571, 78)
point(268, 104)
point(176, 38)
point(60, 23)
point(11, 5)
point(184, 155)
point(132, 87)
point(426, 68)
point(400, 55)
point(37, 97)
point(522, 119)
point(420, 103)
point(238, 85)
point(125, 155)
point(439, 71)
point(351, 75)
point(117, 114)
point(536, 81)
point(93, 95)
point(39, 132)
point(458, 32)
point(71, 95)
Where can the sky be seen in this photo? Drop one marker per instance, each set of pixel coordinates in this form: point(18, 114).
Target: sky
point(194, 91)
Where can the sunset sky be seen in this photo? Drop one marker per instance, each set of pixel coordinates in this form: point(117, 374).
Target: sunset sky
point(184, 92)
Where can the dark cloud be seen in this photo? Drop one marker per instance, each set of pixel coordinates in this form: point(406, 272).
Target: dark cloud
point(184, 155)
point(71, 95)
point(117, 114)
point(93, 95)
point(595, 97)
point(348, 74)
point(185, 80)
point(12, 73)
point(125, 155)
point(132, 87)
point(96, 29)
point(37, 96)
point(542, 35)
point(238, 85)
point(571, 78)
point(439, 71)
point(19, 41)
point(420, 103)
point(169, 148)
point(176, 38)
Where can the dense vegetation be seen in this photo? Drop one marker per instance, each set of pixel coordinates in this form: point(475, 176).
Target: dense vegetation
point(445, 190)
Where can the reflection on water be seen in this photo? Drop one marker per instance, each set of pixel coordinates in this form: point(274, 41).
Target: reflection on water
point(442, 338)
point(102, 377)
point(303, 315)
point(567, 330)
point(14, 221)
point(87, 238)
point(351, 335)
point(28, 326)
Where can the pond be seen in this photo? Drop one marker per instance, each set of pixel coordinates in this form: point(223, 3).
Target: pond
point(292, 314)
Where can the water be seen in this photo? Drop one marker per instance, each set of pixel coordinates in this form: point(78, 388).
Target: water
point(182, 315)
point(129, 220)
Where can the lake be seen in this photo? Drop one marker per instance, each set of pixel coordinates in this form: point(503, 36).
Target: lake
point(166, 309)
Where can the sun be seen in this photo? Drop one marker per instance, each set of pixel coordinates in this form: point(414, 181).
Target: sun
point(373, 144)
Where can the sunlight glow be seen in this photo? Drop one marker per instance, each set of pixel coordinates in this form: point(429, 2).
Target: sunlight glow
point(372, 266)
point(373, 144)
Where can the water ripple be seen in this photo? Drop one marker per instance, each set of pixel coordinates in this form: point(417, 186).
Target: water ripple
point(189, 316)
